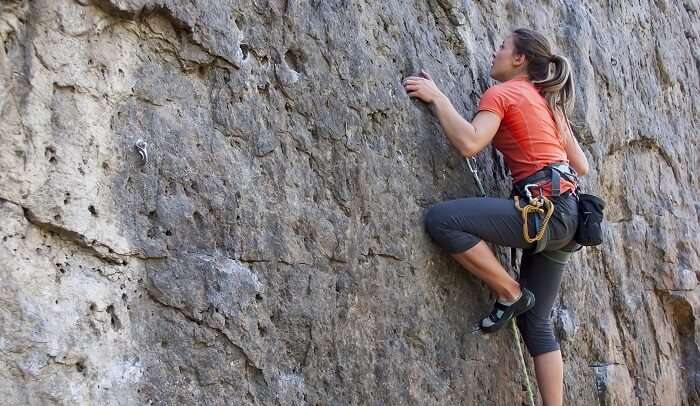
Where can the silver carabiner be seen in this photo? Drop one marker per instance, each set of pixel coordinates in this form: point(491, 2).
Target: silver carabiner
point(141, 147)
point(527, 187)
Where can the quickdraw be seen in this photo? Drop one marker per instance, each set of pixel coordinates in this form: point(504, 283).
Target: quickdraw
point(475, 174)
point(141, 147)
point(540, 205)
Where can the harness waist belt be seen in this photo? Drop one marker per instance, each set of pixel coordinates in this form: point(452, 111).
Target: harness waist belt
point(553, 172)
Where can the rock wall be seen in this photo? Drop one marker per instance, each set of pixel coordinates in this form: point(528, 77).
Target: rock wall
point(270, 250)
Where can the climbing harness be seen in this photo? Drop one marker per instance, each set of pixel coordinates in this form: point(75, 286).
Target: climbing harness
point(590, 207)
point(540, 204)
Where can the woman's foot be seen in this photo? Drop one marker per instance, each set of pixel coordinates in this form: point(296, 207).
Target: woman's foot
point(502, 313)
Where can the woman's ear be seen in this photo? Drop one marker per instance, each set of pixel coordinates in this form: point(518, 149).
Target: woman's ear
point(518, 60)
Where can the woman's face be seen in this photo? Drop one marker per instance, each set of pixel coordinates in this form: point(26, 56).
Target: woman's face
point(504, 62)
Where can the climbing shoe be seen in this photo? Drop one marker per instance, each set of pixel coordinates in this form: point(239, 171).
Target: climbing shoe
point(501, 313)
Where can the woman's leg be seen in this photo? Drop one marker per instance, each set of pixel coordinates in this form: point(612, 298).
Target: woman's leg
point(480, 261)
point(549, 369)
point(541, 274)
point(461, 226)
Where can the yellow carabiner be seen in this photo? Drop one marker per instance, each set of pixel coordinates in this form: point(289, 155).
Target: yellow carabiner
point(535, 206)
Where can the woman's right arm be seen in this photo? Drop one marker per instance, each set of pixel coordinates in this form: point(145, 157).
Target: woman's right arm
point(468, 138)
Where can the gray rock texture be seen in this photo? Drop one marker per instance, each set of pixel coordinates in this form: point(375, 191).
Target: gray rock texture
point(270, 251)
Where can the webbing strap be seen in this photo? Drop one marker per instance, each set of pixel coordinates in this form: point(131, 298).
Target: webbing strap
point(556, 183)
point(541, 243)
point(553, 172)
point(559, 256)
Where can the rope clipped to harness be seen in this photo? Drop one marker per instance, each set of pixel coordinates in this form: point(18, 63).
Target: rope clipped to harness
point(539, 205)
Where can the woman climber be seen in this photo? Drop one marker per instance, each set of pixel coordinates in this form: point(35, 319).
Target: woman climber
point(525, 116)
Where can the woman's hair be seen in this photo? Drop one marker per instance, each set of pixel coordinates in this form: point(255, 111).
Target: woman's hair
point(557, 88)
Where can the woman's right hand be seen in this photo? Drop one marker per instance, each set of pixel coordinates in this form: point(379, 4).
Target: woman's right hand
point(422, 87)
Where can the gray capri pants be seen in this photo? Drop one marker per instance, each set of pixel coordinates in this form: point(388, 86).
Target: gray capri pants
point(458, 225)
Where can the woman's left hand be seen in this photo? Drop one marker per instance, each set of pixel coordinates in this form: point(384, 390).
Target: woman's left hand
point(422, 87)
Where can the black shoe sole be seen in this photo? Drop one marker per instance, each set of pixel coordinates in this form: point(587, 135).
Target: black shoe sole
point(526, 302)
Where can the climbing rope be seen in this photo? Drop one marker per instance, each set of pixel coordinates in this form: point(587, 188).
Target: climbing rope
point(523, 366)
point(535, 206)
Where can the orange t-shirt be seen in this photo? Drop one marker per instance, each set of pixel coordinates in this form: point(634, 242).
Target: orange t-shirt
point(528, 136)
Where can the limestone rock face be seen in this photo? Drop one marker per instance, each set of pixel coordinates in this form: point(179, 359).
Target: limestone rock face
point(270, 249)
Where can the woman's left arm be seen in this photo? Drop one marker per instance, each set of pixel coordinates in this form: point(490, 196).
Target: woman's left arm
point(468, 138)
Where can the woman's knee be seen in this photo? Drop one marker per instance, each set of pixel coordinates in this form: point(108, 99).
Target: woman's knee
point(444, 228)
point(434, 222)
point(537, 333)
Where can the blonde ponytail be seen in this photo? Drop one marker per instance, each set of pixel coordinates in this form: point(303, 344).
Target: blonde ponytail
point(557, 85)
point(559, 92)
